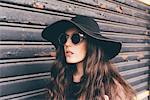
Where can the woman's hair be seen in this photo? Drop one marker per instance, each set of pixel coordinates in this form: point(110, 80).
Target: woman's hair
point(100, 77)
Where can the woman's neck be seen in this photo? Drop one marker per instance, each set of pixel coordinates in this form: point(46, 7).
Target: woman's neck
point(79, 73)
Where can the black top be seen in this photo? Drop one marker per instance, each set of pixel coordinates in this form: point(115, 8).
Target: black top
point(74, 91)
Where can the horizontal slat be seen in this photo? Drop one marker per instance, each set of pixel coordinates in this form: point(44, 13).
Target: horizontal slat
point(125, 66)
point(33, 75)
point(92, 4)
point(24, 85)
point(36, 96)
point(134, 47)
point(134, 3)
point(19, 25)
point(25, 43)
point(66, 8)
point(26, 60)
point(138, 79)
point(134, 72)
point(125, 35)
point(19, 15)
point(136, 44)
point(141, 86)
point(116, 7)
point(127, 38)
point(41, 94)
point(123, 28)
point(24, 68)
point(25, 51)
point(19, 33)
point(130, 56)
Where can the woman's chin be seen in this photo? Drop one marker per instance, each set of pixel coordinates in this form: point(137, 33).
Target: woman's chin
point(71, 61)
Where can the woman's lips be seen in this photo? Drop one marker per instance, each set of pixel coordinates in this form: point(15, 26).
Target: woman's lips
point(68, 53)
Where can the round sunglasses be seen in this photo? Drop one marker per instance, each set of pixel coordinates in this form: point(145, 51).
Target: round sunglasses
point(76, 38)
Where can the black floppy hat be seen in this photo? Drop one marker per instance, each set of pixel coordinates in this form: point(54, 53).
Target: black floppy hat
point(89, 26)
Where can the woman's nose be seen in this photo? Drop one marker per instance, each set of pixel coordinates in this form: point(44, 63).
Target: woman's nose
point(68, 42)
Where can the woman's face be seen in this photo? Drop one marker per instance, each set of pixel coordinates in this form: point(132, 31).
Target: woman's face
point(74, 53)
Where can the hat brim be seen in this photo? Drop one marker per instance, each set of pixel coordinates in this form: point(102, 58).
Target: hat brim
point(50, 33)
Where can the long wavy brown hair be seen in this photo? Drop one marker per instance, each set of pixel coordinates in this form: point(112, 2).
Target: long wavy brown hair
point(100, 77)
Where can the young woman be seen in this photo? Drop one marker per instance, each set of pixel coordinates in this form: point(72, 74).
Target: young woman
point(82, 69)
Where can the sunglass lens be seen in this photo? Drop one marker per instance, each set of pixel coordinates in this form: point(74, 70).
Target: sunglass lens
point(75, 38)
point(62, 39)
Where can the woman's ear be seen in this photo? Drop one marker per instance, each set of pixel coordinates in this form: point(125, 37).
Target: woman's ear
point(106, 97)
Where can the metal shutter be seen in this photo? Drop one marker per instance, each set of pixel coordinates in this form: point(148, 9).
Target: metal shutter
point(25, 57)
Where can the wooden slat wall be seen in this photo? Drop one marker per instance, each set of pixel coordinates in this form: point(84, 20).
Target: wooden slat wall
point(25, 57)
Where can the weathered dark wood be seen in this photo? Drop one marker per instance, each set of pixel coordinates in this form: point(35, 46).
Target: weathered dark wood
point(135, 47)
point(36, 95)
point(24, 68)
point(117, 27)
point(134, 3)
point(140, 79)
point(135, 74)
point(130, 10)
point(68, 8)
point(25, 51)
point(138, 72)
point(128, 57)
point(23, 34)
point(127, 66)
point(101, 4)
point(26, 60)
point(24, 85)
point(127, 38)
point(142, 86)
point(113, 6)
point(20, 16)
